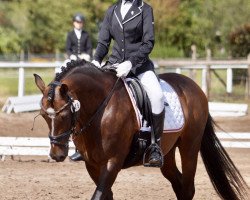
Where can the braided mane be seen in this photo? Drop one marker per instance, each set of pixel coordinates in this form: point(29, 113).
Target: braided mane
point(70, 65)
point(64, 70)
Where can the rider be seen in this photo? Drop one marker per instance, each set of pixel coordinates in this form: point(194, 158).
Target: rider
point(78, 43)
point(131, 24)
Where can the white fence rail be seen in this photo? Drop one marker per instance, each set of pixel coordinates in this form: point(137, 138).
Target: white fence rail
point(205, 66)
point(21, 68)
point(33, 146)
point(178, 65)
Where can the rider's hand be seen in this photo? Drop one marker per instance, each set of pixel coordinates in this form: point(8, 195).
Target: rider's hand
point(123, 68)
point(84, 56)
point(73, 57)
point(96, 63)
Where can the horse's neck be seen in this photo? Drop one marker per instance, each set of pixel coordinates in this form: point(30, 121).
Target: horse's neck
point(90, 89)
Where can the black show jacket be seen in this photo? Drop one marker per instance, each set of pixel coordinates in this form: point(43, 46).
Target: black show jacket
point(133, 36)
point(77, 47)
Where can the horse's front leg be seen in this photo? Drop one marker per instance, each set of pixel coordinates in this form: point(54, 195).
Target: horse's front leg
point(107, 176)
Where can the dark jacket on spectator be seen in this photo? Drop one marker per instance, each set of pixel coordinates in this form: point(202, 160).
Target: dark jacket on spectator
point(77, 47)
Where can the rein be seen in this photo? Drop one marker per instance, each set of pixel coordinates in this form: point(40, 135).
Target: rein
point(100, 107)
point(57, 139)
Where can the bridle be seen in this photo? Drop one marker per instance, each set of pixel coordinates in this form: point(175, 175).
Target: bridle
point(65, 135)
point(52, 114)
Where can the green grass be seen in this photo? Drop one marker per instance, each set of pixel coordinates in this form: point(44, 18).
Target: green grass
point(9, 84)
point(9, 81)
point(160, 51)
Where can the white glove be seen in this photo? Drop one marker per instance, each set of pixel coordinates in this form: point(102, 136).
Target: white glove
point(96, 63)
point(84, 56)
point(123, 68)
point(73, 57)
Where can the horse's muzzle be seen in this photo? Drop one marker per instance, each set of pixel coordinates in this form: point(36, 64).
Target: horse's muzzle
point(58, 155)
point(58, 158)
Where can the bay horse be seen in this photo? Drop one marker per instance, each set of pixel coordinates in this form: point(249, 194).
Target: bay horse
point(94, 107)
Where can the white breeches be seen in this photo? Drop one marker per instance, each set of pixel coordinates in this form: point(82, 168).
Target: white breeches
point(154, 91)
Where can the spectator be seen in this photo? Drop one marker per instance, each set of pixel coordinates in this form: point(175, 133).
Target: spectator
point(78, 44)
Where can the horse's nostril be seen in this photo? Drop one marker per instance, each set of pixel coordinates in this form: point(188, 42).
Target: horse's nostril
point(61, 158)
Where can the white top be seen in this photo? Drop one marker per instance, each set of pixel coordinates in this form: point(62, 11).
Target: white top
point(78, 33)
point(125, 7)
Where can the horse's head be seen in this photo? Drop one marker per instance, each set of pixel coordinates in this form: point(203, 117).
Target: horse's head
point(59, 110)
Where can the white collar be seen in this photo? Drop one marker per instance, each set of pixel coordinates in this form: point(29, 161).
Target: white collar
point(78, 33)
point(77, 30)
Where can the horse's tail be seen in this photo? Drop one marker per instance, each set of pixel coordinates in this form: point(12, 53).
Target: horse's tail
point(222, 172)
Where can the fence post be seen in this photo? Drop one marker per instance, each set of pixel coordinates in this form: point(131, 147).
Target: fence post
point(192, 72)
point(229, 80)
point(206, 76)
point(247, 94)
point(57, 57)
point(21, 79)
point(178, 70)
point(204, 80)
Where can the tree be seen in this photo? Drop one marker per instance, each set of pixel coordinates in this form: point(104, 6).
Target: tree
point(41, 26)
point(9, 38)
point(225, 16)
point(240, 41)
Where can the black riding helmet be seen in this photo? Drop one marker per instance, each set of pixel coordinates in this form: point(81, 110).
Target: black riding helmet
point(78, 18)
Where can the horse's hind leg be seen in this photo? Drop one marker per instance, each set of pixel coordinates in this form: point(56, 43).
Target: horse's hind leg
point(171, 172)
point(189, 155)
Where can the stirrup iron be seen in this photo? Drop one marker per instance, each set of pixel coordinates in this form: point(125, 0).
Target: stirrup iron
point(158, 150)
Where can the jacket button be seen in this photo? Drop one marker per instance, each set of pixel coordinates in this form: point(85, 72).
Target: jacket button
point(122, 50)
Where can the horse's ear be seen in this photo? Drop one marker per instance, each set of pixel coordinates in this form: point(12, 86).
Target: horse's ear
point(64, 89)
point(39, 82)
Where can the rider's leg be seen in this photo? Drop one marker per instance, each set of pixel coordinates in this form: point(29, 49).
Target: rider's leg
point(155, 94)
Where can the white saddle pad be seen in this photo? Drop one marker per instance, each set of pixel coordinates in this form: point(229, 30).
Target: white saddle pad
point(174, 118)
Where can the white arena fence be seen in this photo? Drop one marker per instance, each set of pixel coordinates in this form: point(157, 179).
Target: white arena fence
point(34, 146)
point(23, 103)
point(27, 146)
point(178, 65)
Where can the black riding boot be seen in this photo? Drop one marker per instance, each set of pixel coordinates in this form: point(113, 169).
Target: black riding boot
point(155, 157)
point(76, 156)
